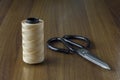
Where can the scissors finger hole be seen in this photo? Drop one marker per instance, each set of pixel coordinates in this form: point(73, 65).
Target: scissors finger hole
point(83, 41)
point(56, 44)
point(80, 42)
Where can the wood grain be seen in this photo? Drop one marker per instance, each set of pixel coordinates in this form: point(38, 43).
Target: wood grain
point(96, 19)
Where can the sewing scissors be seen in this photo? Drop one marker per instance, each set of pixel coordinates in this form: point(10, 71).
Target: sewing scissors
point(73, 47)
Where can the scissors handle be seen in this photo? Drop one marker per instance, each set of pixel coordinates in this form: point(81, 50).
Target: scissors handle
point(67, 42)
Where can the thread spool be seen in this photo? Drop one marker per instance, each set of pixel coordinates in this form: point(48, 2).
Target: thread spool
point(33, 40)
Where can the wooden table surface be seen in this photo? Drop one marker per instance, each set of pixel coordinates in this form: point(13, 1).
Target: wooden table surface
point(99, 20)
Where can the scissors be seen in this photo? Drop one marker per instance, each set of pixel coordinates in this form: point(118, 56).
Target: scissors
point(73, 47)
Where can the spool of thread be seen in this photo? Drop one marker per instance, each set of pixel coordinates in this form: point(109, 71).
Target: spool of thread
point(33, 40)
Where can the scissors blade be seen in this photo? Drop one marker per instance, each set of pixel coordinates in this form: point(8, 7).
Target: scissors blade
point(87, 55)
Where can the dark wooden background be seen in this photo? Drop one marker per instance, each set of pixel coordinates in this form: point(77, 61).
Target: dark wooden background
point(99, 20)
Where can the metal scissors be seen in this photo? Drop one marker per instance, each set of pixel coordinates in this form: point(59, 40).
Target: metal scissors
point(73, 47)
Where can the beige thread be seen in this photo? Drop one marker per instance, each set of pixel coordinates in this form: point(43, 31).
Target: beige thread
point(33, 42)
